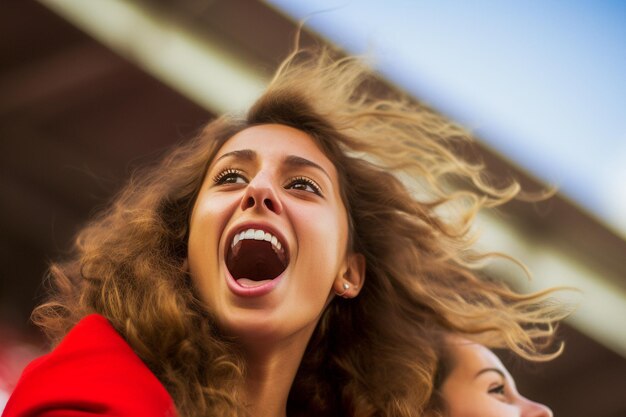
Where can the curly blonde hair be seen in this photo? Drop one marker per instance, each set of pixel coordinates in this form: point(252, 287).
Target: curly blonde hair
point(398, 164)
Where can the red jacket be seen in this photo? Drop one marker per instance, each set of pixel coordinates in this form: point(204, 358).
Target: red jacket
point(92, 372)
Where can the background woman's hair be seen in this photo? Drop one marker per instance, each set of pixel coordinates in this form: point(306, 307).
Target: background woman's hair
point(411, 199)
point(445, 364)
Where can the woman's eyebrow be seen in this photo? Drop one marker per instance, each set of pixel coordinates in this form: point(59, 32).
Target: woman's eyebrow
point(245, 154)
point(496, 370)
point(294, 161)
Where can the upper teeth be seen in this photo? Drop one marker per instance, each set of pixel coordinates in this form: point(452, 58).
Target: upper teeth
point(257, 234)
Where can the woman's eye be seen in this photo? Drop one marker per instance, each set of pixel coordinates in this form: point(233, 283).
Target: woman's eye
point(304, 184)
point(498, 390)
point(230, 176)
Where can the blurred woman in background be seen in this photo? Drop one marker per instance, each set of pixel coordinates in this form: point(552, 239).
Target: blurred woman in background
point(472, 382)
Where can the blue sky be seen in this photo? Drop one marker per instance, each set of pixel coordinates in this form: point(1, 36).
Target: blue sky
point(543, 83)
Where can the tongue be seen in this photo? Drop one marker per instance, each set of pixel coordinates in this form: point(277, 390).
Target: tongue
point(249, 283)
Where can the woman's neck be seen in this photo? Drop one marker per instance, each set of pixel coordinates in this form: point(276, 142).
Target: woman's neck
point(271, 369)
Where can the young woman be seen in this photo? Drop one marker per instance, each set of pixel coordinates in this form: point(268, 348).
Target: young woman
point(278, 264)
point(472, 382)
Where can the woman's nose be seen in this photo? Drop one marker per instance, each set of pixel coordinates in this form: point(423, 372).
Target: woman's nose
point(533, 409)
point(261, 195)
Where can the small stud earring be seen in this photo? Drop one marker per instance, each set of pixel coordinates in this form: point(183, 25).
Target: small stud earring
point(346, 287)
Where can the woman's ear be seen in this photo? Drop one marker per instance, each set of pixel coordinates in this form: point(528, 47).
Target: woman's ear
point(349, 283)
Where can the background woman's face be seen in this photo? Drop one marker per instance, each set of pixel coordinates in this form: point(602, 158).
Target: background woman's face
point(480, 386)
point(268, 234)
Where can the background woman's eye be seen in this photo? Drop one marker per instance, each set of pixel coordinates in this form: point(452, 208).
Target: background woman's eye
point(229, 176)
point(499, 390)
point(304, 184)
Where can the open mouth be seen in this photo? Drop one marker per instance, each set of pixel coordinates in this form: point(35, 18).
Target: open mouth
point(255, 256)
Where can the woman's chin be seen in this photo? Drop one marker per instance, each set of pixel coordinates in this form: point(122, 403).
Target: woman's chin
point(252, 326)
point(255, 327)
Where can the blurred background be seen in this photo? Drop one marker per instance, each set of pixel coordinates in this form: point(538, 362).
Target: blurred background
point(91, 89)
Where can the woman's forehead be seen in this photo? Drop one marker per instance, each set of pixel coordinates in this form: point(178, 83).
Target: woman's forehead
point(472, 356)
point(275, 141)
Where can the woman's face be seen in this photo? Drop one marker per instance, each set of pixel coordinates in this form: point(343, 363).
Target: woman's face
point(268, 235)
point(480, 386)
